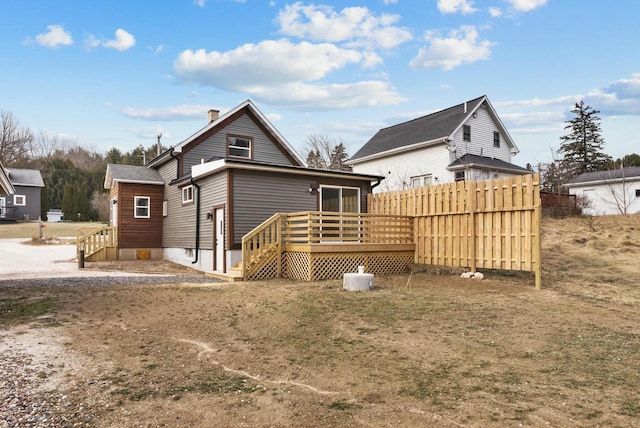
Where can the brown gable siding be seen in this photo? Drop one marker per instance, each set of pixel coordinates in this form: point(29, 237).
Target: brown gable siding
point(139, 232)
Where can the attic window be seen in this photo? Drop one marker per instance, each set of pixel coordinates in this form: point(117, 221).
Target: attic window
point(239, 147)
point(460, 176)
point(466, 132)
point(496, 139)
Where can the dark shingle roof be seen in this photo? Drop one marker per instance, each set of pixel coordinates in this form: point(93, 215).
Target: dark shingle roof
point(25, 177)
point(613, 174)
point(132, 174)
point(483, 161)
point(436, 125)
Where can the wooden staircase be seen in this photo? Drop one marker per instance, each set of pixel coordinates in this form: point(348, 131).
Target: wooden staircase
point(99, 244)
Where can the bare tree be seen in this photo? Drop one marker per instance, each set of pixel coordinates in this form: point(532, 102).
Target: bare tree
point(324, 152)
point(620, 190)
point(16, 141)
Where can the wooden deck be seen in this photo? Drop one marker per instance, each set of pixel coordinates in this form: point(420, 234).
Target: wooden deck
point(312, 246)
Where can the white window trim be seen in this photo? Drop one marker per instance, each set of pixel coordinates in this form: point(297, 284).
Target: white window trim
point(165, 208)
point(136, 206)
point(16, 198)
point(249, 149)
point(186, 192)
point(422, 180)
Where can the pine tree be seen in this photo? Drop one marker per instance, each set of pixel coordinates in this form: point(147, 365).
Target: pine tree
point(581, 149)
point(339, 157)
point(67, 202)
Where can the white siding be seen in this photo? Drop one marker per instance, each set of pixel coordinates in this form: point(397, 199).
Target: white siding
point(399, 169)
point(481, 144)
point(603, 202)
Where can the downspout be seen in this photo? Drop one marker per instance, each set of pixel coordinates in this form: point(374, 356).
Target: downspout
point(197, 221)
point(177, 163)
point(377, 183)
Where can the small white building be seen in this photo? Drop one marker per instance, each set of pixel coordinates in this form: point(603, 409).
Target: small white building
point(54, 216)
point(609, 192)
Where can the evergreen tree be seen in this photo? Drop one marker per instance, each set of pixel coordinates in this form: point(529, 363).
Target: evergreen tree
point(324, 152)
point(581, 149)
point(339, 157)
point(44, 204)
point(67, 202)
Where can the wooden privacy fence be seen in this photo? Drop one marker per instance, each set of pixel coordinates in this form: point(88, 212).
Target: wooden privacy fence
point(493, 224)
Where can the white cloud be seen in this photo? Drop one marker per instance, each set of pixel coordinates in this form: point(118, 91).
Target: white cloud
point(495, 12)
point(388, 2)
point(200, 3)
point(156, 49)
point(318, 97)
point(354, 26)
point(270, 62)
point(565, 100)
point(456, 6)
point(122, 42)
point(526, 5)
point(174, 113)
point(150, 133)
point(462, 46)
point(56, 36)
point(532, 118)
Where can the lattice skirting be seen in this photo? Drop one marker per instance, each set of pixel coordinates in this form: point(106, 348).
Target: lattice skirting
point(268, 270)
point(317, 266)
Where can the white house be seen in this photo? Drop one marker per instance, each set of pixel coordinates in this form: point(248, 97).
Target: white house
point(609, 192)
point(465, 142)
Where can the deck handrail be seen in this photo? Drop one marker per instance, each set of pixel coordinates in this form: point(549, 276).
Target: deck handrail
point(92, 240)
point(264, 239)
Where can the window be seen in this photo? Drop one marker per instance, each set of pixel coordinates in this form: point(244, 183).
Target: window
point(496, 139)
point(240, 146)
point(637, 193)
point(187, 194)
point(141, 207)
point(165, 208)
point(340, 199)
point(420, 181)
point(19, 200)
point(466, 132)
point(460, 176)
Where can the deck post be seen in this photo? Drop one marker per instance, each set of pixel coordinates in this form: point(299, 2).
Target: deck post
point(279, 247)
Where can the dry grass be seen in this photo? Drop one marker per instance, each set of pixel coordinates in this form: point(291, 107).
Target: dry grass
point(29, 230)
point(426, 349)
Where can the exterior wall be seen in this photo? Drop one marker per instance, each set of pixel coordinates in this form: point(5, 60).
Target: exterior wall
point(399, 169)
point(214, 194)
point(602, 197)
point(264, 150)
point(481, 144)
point(179, 228)
point(139, 233)
point(30, 211)
point(256, 196)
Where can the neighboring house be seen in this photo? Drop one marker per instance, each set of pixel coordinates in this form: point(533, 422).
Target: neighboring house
point(54, 215)
point(6, 190)
point(193, 203)
point(464, 142)
point(24, 204)
point(609, 192)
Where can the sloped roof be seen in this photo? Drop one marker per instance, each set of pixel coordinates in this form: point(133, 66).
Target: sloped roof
point(632, 173)
point(131, 174)
point(210, 127)
point(5, 184)
point(25, 177)
point(476, 161)
point(430, 129)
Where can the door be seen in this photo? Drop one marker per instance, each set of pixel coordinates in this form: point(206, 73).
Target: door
point(114, 212)
point(218, 234)
point(3, 204)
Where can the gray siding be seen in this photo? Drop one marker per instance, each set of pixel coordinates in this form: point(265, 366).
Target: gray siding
point(259, 195)
point(214, 194)
point(263, 148)
point(179, 229)
point(32, 199)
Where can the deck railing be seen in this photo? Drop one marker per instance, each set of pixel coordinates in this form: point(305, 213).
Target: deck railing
point(93, 240)
point(263, 247)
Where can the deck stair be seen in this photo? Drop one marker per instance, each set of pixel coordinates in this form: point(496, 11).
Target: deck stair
point(99, 244)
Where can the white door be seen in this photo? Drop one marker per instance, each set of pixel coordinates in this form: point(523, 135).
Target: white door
point(218, 219)
point(3, 204)
point(114, 212)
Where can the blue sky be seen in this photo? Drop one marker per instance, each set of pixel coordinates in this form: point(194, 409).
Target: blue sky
point(117, 73)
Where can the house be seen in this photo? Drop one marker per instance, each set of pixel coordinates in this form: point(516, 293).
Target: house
point(54, 215)
point(465, 142)
point(24, 203)
point(194, 203)
point(6, 190)
point(608, 192)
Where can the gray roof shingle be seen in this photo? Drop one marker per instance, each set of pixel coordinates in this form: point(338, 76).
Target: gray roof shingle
point(492, 163)
point(132, 174)
point(436, 125)
point(614, 174)
point(25, 177)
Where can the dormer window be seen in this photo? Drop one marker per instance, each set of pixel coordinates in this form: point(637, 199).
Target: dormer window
point(466, 132)
point(239, 147)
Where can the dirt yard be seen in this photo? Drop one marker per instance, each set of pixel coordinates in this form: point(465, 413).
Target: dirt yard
point(421, 349)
